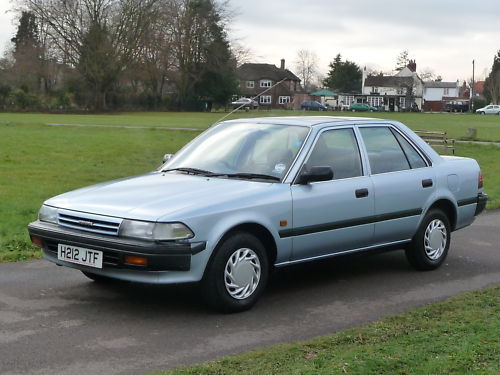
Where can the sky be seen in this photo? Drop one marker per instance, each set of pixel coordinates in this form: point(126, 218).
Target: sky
point(443, 36)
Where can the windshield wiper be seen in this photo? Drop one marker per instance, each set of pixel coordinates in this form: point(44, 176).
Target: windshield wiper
point(251, 176)
point(229, 175)
point(192, 171)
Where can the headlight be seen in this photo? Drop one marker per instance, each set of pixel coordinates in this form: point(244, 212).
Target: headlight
point(155, 231)
point(48, 214)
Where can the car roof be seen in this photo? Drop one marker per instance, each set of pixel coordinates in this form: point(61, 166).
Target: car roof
point(310, 121)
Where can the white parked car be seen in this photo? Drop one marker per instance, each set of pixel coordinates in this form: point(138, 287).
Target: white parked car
point(245, 103)
point(491, 109)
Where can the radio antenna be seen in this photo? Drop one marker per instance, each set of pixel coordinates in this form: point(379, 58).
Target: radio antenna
point(241, 106)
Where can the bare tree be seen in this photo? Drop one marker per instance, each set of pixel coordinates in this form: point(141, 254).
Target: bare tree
point(242, 54)
point(98, 37)
point(306, 67)
point(427, 74)
point(402, 60)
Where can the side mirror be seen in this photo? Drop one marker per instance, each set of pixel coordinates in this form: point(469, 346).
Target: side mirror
point(167, 157)
point(314, 174)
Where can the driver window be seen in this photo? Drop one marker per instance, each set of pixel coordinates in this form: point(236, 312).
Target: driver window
point(339, 150)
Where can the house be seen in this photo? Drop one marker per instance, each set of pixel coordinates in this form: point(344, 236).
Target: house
point(437, 94)
point(402, 91)
point(479, 89)
point(272, 87)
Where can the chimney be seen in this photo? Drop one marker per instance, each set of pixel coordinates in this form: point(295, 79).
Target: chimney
point(283, 64)
point(412, 65)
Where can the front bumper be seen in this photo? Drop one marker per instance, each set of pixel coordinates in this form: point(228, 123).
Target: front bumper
point(162, 256)
point(482, 198)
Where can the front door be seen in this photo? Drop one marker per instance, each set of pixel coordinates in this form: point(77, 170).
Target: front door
point(328, 216)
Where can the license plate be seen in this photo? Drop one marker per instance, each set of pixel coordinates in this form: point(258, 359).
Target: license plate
point(80, 255)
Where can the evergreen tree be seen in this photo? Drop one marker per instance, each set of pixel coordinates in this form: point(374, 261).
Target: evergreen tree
point(207, 69)
point(27, 66)
point(492, 82)
point(27, 32)
point(344, 76)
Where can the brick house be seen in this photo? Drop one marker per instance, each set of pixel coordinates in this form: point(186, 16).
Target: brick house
point(257, 81)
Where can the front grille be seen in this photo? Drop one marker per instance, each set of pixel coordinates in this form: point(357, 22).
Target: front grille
point(89, 223)
point(110, 258)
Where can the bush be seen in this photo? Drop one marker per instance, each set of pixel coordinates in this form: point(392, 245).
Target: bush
point(479, 103)
point(20, 99)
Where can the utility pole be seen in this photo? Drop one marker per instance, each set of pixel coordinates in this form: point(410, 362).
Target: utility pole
point(472, 89)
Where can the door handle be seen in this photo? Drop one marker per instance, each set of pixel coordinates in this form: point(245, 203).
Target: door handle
point(361, 193)
point(427, 183)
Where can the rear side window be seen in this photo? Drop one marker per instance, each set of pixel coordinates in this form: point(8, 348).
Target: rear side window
point(384, 152)
point(413, 156)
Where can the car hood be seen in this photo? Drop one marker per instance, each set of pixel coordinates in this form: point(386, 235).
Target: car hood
point(156, 195)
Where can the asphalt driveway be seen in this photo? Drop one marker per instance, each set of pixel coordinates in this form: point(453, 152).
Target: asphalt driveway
point(55, 321)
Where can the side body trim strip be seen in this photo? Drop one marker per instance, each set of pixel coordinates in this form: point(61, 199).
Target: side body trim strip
point(347, 223)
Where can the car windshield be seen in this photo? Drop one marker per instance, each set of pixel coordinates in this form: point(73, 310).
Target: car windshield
point(241, 150)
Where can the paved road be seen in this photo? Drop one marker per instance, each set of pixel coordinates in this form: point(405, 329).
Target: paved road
point(54, 321)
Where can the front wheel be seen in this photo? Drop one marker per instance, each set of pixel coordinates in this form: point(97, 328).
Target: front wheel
point(237, 274)
point(430, 245)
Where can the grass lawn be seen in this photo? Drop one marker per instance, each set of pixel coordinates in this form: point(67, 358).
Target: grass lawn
point(456, 125)
point(39, 161)
point(458, 336)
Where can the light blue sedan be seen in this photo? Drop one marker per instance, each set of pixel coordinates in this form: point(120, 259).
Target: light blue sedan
point(249, 195)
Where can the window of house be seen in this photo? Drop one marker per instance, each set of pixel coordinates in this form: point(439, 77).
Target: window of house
point(284, 99)
point(266, 83)
point(265, 99)
point(375, 89)
point(384, 152)
point(250, 84)
point(402, 91)
point(446, 91)
point(402, 102)
point(375, 101)
point(348, 100)
point(339, 150)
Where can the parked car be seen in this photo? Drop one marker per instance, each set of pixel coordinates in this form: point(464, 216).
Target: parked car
point(491, 109)
point(313, 106)
point(249, 195)
point(362, 107)
point(457, 106)
point(245, 103)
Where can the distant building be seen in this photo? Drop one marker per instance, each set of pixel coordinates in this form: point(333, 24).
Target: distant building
point(257, 81)
point(479, 89)
point(437, 94)
point(400, 92)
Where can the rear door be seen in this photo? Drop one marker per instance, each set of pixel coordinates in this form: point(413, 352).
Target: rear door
point(402, 181)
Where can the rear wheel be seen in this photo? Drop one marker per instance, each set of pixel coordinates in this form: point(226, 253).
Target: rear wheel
point(237, 274)
point(430, 245)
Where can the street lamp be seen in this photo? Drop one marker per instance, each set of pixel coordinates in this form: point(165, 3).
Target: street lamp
point(472, 89)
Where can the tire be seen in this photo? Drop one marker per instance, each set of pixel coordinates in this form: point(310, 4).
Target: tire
point(482, 113)
point(99, 278)
point(430, 245)
point(237, 274)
